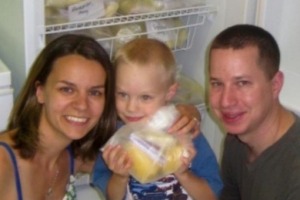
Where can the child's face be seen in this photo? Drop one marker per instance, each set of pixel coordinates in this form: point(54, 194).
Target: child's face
point(141, 91)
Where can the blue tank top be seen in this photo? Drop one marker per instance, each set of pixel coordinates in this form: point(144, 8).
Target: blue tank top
point(16, 171)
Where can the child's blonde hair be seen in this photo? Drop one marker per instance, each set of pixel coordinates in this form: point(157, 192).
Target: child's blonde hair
point(147, 52)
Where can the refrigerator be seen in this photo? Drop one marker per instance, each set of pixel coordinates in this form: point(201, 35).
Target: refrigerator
point(24, 33)
point(6, 95)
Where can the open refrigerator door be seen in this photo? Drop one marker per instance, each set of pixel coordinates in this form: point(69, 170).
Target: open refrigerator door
point(281, 19)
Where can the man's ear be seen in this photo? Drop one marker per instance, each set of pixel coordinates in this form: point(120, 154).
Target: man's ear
point(172, 91)
point(277, 83)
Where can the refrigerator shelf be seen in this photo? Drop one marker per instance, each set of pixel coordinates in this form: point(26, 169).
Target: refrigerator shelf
point(178, 36)
point(133, 18)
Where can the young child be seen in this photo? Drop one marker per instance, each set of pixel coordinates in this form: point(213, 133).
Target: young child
point(146, 81)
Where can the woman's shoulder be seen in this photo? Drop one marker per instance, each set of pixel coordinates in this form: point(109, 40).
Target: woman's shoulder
point(6, 137)
point(6, 169)
point(6, 149)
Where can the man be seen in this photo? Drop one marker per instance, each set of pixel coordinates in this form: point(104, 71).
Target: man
point(261, 159)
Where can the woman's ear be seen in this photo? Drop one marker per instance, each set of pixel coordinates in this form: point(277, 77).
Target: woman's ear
point(39, 93)
point(172, 91)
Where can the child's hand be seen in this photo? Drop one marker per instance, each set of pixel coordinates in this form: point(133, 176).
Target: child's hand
point(117, 160)
point(186, 160)
point(188, 122)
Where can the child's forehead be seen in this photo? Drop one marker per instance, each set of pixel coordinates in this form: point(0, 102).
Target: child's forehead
point(142, 68)
point(155, 66)
point(143, 74)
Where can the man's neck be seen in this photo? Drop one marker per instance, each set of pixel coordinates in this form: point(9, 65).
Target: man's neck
point(269, 134)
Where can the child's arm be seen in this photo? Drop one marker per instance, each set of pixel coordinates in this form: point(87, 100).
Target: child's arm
point(119, 163)
point(116, 188)
point(188, 122)
point(196, 187)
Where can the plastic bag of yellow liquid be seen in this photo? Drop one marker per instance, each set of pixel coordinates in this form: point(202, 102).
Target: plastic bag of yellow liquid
point(153, 152)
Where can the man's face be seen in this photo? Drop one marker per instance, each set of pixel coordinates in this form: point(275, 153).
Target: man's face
point(240, 94)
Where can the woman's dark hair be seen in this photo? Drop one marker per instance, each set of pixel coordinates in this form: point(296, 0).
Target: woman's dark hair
point(25, 116)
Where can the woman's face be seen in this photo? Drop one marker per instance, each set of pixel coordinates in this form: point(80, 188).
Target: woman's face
point(73, 97)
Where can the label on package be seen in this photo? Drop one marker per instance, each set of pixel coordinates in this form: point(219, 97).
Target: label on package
point(152, 150)
point(86, 10)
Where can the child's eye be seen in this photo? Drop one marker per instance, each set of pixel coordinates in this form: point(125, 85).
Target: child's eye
point(146, 97)
point(122, 94)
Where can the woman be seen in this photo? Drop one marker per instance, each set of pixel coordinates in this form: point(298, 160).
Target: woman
point(57, 115)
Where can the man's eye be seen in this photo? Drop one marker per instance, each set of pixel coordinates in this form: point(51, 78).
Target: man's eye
point(215, 84)
point(243, 83)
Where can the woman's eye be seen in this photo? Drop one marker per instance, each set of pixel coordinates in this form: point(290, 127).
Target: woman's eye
point(66, 90)
point(96, 93)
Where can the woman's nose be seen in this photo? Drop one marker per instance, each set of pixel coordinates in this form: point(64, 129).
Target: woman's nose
point(81, 101)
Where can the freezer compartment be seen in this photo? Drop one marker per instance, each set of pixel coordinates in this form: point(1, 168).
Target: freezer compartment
point(6, 95)
point(5, 76)
point(6, 102)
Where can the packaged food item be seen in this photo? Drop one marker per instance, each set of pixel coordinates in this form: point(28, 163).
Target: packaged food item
point(111, 8)
point(58, 12)
point(146, 6)
point(153, 152)
point(190, 3)
point(60, 3)
point(139, 6)
point(127, 32)
point(164, 30)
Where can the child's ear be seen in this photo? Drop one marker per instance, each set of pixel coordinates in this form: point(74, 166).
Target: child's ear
point(172, 91)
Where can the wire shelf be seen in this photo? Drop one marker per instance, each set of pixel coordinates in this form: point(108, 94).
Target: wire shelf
point(124, 19)
point(190, 18)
